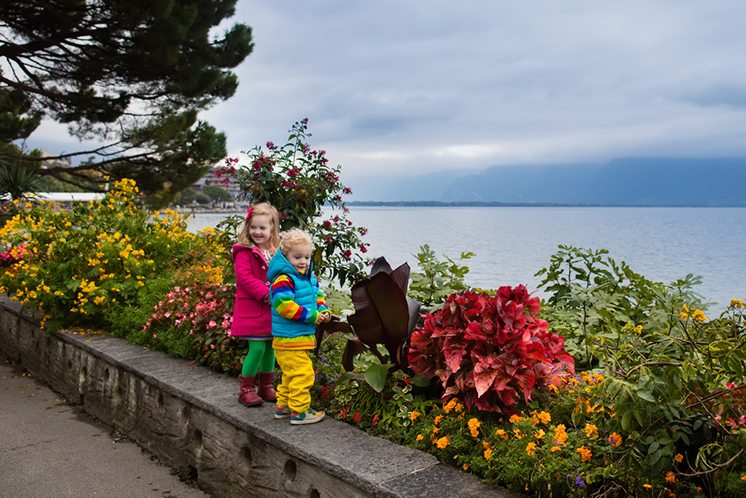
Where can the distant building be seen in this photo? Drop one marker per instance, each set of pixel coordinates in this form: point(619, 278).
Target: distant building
point(50, 160)
point(224, 182)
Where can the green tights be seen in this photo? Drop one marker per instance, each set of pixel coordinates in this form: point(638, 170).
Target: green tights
point(260, 358)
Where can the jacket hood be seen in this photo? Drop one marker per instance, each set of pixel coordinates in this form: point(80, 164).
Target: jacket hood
point(280, 265)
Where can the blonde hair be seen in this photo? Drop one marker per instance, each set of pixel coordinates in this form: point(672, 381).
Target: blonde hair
point(261, 209)
point(294, 237)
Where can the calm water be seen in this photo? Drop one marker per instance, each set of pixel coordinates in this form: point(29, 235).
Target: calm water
point(513, 243)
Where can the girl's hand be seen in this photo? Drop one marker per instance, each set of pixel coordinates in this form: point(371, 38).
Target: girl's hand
point(325, 316)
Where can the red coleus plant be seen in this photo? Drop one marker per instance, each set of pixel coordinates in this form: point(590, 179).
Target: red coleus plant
point(489, 351)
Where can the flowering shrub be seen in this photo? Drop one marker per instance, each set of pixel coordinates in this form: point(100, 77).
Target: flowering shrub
point(299, 182)
point(77, 265)
point(195, 322)
point(488, 351)
point(675, 377)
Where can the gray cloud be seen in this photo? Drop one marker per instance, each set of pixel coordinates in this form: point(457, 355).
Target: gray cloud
point(423, 84)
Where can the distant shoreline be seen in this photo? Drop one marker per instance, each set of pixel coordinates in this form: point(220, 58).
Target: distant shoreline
point(522, 204)
point(242, 207)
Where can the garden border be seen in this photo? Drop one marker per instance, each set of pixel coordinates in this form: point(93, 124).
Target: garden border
point(187, 415)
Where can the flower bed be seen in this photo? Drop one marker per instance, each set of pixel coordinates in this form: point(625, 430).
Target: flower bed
point(655, 408)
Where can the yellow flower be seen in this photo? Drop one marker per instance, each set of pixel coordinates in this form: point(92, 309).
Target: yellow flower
point(465, 466)
point(638, 329)
point(435, 430)
point(591, 431)
point(647, 486)
point(437, 419)
point(585, 453)
point(517, 433)
point(419, 437)
point(413, 416)
point(474, 427)
point(679, 458)
point(670, 477)
point(531, 449)
point(736, 303)
point(555, 449)
point(442, 442)
point(539, 434)
point(699, 315)
point(743, 477)
point(501, 434)
point(487, 453)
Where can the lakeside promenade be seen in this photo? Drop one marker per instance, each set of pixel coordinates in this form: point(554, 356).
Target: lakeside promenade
point(49, 448)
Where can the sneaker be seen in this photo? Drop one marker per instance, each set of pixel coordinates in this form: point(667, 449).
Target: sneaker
point(282, 412)
point(309, 416)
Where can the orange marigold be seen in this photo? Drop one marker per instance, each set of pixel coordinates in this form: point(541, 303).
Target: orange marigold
point(591, 431)
point(474, 427)
point(515, 419)
point(531, 449)
point(585, 453)
point(442, 442)
point(615, 440)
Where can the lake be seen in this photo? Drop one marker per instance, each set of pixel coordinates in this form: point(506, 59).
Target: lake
point(513, 243)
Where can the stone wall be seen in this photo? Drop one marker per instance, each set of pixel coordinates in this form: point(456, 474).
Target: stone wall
point(188, 416)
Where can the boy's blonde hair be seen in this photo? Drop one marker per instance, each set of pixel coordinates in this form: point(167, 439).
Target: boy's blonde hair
point(261, 209)
point(294, 237)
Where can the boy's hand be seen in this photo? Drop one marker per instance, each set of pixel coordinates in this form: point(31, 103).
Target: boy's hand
point(324, 317)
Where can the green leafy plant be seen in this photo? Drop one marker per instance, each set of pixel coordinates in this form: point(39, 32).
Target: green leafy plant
point(437, 279)
point(591, 297)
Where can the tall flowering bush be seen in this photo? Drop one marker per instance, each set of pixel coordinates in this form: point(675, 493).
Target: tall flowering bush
point(299, 182)
point(77, 265)
point(491, 352)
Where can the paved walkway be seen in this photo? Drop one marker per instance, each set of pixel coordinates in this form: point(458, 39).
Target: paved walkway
point(51, 449)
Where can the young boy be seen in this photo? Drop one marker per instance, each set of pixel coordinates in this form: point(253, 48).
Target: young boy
point(297, 306)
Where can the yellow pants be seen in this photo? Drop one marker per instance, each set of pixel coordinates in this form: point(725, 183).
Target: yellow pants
point(297, 379)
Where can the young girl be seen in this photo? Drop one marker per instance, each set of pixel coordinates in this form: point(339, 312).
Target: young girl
point(255, 246)
point(297, 306)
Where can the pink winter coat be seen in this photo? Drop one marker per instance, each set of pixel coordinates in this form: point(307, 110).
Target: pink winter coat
point(251, 311)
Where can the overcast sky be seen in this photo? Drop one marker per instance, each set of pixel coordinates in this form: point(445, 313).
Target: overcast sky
point(415, 86)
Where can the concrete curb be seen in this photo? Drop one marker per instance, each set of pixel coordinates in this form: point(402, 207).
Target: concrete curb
point(188, 416)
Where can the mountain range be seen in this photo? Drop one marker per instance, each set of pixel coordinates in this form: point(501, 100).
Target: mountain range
point(619, 182)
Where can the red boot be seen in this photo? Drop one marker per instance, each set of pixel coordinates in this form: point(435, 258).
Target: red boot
point(247, 395)
point(266, 387)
